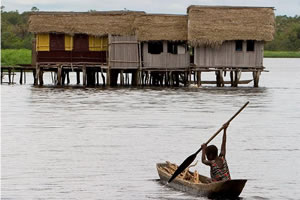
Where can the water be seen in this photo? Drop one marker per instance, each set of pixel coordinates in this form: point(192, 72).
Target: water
point(75, 143)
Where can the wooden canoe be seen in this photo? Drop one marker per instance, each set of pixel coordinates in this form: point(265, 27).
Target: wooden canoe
point(203, 187)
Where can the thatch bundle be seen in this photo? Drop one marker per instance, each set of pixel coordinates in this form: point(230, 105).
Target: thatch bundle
point(161, 27)
point(212, 25)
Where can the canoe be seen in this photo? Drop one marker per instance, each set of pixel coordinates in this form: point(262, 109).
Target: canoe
point(198, 185)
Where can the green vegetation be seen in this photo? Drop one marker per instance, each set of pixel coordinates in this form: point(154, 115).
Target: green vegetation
point(287, 36)
point(15, 56)
point(282, 54)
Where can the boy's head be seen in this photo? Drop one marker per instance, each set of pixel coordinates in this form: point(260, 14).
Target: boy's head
point(211, 152)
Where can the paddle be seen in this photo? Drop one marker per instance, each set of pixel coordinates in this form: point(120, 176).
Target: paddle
point(192, 157)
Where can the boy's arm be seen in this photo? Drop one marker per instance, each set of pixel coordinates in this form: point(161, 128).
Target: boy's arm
point(204, 161)
point(223, 147)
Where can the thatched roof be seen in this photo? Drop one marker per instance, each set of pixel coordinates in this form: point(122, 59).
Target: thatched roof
point(145, 26)
point(204, 25)
point(212, 25)
point(161, 27)
point(91, 23)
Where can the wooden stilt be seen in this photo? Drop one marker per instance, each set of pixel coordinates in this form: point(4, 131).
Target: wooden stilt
point(68, 78)
point(35, 82)
point(231, 78)
point(256, 75)
point(40, 74)
point(9, 76)
point(237, 78)
point(135, 78)
point(78, 77)
point(84, 82)
point(171, 78)
point(63, 76)
point(59, 72)
point(2, 75)
point(199, 78)
point(97, 77)
point(24, 76)
point(221, 78)
point(108, 77)
point(121, 77)
point(103, 78)
point(13, 75)
point(21, 76)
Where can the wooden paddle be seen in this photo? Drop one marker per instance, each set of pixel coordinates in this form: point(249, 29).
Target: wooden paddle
point(192, 157)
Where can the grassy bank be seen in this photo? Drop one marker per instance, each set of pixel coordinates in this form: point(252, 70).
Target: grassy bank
point(282, 54)
point(15, 56)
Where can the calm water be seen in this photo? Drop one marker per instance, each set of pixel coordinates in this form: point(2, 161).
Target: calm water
point(76, 143)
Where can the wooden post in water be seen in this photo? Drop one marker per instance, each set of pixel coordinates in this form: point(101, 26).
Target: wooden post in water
point(199, 78)
point(21, 76)
point(9, 76)
point(63, 76)
point(231, 78)
point(237, 78)
point(121, 78)
point(97, 77)
point(103, 78)
point(59, 72)
point(78, 77)
point(84, 76)
point(221, 78)
point(34, 77)
point(68, 78)
point(40, 74)
point(256, 75)
point(108, 76)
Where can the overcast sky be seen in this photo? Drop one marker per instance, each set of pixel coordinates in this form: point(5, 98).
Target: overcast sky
point(283, 7)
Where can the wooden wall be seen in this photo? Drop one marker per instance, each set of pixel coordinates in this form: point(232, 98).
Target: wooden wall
point(80, 52)
point(164, 60)
point(227, 56)
point(124, 52)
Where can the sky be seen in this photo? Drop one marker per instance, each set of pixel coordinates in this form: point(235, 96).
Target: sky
point(283, 7)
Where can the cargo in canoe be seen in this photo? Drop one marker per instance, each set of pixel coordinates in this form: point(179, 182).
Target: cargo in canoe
point(196, 184)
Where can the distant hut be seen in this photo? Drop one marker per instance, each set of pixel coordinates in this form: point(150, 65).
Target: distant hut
point(230, 38)
point(164, 46)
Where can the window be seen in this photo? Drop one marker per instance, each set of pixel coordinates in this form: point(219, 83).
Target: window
point(98, 43)
point(250, 45)
point(57, 42)
point(172, 47)
point(239, 45)
point(42, 42)
point(68, 43)
point(155, 47)
point(81, 42)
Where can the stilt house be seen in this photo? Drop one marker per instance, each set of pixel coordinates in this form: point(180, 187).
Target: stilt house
point(230, 38)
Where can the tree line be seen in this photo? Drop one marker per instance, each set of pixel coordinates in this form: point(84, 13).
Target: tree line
point(14, 34)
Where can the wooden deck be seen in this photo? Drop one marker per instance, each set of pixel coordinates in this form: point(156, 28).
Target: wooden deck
point(90, 73)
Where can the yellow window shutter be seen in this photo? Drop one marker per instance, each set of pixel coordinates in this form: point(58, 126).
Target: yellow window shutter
point(91, 43)
point(68, 43)
point(97, 44)
point(104, 42)
point(43, 42)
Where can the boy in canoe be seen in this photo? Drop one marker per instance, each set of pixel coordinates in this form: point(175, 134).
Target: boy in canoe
point(218, 166)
